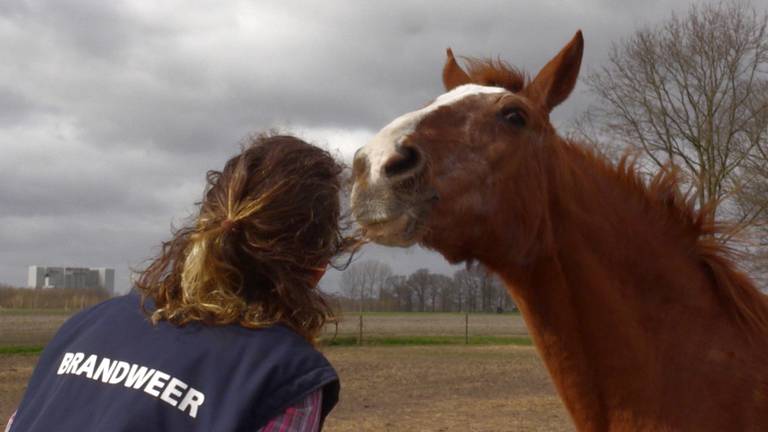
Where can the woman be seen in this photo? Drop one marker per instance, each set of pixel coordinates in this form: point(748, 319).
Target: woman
point(220, 335)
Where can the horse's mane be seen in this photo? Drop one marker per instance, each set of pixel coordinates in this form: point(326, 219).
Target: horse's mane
point(496, 73)
point(663, 193)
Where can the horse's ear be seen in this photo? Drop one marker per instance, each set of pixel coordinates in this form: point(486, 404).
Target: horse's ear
point(557, 78)
point(453, 74)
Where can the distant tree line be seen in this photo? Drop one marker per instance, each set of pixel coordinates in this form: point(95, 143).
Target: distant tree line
point(373, 286)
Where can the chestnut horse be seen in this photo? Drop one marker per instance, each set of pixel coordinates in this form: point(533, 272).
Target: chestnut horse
point(640, 315)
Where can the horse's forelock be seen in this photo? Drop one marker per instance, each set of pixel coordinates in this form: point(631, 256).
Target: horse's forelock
point(496, 73)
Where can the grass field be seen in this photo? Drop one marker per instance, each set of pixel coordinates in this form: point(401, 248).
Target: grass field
point(378, 325)
point(413, 373)
point(27, 327)
point(36, 327)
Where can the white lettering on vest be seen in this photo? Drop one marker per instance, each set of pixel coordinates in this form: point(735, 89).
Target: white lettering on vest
point(138, 376)
point(65, 363)
point(158, 384)
point(76, 359)
point(87, 366)
point(105, 369)
point(192, 400)
point(121, 370)
point(173, 389)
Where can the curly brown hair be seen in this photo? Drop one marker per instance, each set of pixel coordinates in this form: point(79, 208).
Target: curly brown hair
point(268, 222)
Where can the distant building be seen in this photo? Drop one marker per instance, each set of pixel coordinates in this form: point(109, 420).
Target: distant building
point(71, 277)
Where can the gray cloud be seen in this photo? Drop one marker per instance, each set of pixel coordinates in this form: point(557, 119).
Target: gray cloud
point(15, 107)
point(111, 112)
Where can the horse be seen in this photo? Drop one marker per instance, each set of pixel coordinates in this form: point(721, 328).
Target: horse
point(639, 312)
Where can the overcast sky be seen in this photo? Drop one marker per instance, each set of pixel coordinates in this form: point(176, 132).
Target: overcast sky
point(111, 112)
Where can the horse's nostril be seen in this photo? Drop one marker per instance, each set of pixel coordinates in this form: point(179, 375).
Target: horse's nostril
point(405, 160)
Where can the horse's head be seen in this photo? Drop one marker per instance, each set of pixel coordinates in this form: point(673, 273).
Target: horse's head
point(437, 174)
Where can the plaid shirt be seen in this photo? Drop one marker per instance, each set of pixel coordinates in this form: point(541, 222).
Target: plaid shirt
point(302, 417)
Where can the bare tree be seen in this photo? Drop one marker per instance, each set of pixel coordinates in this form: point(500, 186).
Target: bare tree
point(502, 301)
point(693, 92)
point(365, 281)
point(487, 290)
point(446, 287)
point(401, 293)
point(420, 283)
point(433, 291)
point(479, 289)
point(468, 283)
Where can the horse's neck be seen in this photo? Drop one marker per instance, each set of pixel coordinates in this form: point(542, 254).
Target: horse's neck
point(618, 305)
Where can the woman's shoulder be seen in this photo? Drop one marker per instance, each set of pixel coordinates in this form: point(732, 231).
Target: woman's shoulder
point(277, 336)
point(127, 317)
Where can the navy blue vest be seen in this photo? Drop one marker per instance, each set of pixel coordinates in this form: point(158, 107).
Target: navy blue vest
point(109, 369)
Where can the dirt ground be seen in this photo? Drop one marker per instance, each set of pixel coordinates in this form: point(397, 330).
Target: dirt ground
point(14, 373)
point(411, 388)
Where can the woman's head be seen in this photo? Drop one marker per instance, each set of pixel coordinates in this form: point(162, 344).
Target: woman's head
point(268, 225)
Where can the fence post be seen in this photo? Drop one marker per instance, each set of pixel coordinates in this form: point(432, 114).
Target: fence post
point(360, 336)
point(466, 328)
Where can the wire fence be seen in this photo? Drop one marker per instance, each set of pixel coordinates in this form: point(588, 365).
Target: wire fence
point(27, 327)
point(402, 327)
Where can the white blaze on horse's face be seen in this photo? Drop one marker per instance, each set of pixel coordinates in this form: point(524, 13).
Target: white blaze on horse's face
point(383, 146)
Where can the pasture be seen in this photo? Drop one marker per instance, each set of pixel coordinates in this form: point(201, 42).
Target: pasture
point(29, 327)
point(490, 385)
point(427, 327)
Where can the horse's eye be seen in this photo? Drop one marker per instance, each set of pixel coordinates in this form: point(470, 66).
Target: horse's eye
point(514, 116)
